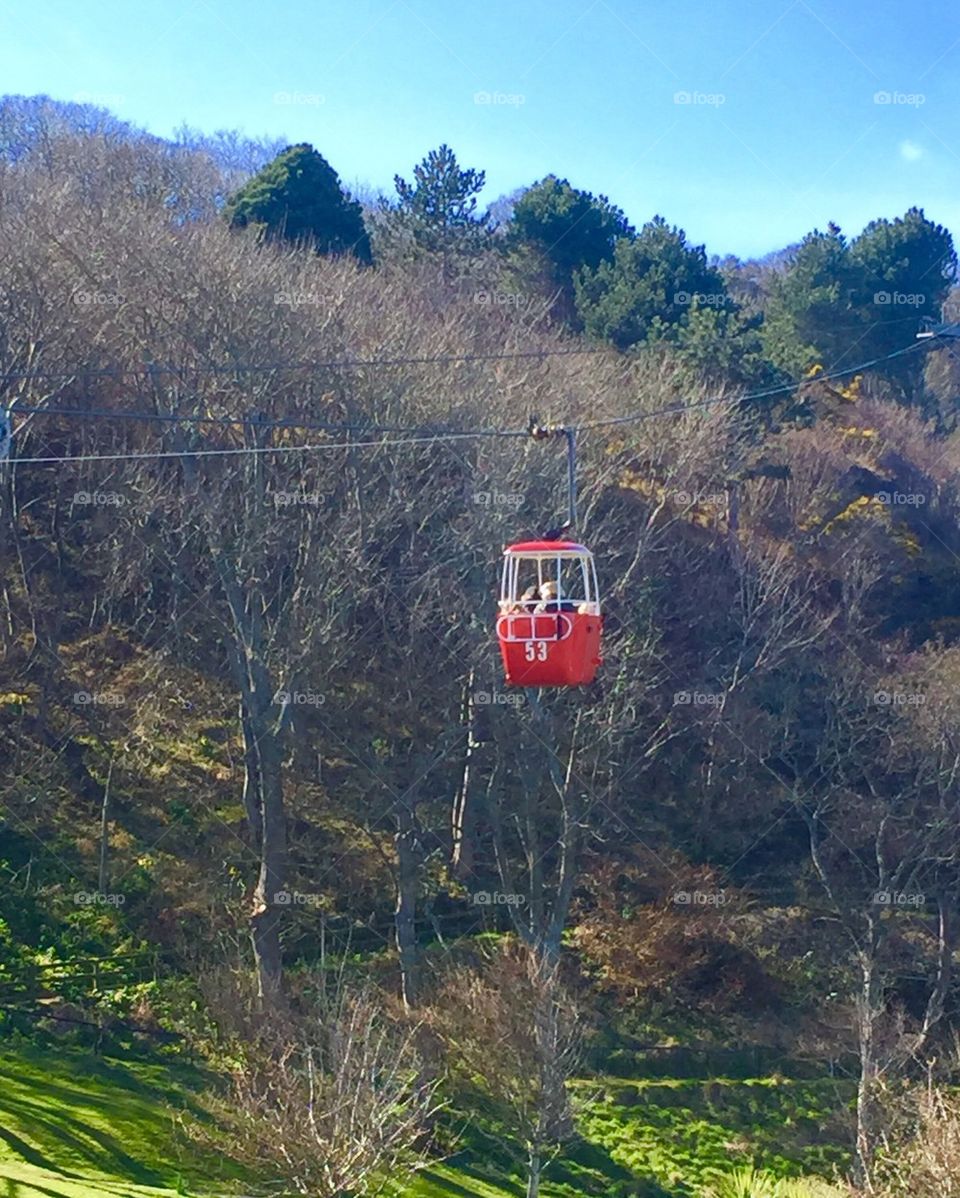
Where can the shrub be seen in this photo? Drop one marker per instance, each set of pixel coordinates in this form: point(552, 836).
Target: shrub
point(754, 1183)
point(926, 1164)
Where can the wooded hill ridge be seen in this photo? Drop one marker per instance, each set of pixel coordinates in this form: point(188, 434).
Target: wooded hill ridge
point(253, 721)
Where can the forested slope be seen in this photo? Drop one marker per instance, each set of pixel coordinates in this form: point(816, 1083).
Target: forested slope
point(263, 781)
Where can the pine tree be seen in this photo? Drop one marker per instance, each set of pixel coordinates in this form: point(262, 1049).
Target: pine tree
point(436, 214)
point(298, 198)
point(647, 291)
point(566, 228)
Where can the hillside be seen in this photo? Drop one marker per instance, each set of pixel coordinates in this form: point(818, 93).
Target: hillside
point(301, 896)
point(76, 1126)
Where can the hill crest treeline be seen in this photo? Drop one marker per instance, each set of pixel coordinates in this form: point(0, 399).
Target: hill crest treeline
point(773, 735)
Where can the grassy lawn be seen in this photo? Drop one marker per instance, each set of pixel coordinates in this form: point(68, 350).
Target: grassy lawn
point(682, 1133)
point(18, 1180)
point(74, 1125)
point(663, 1138)
point(82, 1120)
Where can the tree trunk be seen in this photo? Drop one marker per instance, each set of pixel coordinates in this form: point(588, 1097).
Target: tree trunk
point(264, 729)
point(946, 944)
point(251, 780)
point(555, 1117)
point(6, 513)
point(267, 905)
point(461, 821)
point(405, 916)
point(104, 832)
point(733, 516)
point(533, 1172)
point(868, 1013)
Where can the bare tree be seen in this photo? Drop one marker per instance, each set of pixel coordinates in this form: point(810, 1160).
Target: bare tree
point(513, 1024)
point(334, 1102)
point(882, 810)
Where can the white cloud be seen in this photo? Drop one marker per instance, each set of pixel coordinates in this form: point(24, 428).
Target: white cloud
point(910, 151)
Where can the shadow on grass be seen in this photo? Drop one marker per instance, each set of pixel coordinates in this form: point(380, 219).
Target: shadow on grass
point(588, 1168)
point(30, 1154)
point(27, 1187)
point(72, 1110)
point(53, 1129)
point(445, 1185)
point(15, 1189)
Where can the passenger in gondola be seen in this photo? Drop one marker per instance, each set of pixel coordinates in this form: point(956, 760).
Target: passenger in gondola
point(525, 605)
point(549, 602)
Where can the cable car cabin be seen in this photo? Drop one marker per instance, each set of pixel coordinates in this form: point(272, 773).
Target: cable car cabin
point(549, 623)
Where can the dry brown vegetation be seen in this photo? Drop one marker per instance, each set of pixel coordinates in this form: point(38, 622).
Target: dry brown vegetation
point(762, 569)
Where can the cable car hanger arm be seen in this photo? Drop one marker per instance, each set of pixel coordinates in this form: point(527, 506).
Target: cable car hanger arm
point(540, 432)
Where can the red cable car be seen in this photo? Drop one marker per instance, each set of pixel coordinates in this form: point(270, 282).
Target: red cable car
point(549, 623)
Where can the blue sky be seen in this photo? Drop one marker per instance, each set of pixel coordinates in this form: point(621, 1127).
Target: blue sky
point(746, 122)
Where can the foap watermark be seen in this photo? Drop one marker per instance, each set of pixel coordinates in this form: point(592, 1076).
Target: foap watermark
point(705, 299)
point(97, 299)
point(294, 898)
point(299, 699)
point(306, 299)
point(898, 698)
point(898, 898)
point(96, 898)
point(500, 299)
point(697, 698)
point(496, 898)
point(295, 499)
point(299, 99)
point(99, 499)
point(700, 99)
point(497, 699)
point(699, 898)
point(900, 99)
point(487, 99)
point(687, 498)
point(901, 498)
point(507, 499)
point(97, 699)
point(899, 299)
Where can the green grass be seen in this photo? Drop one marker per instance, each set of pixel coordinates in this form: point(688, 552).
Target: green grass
point(75, 1125)
point(684, 1134)
point(18, 1180)
point(86, 1120)
point(662, 1138)
point(446, 1181)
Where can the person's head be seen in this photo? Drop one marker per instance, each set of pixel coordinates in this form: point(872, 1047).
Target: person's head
point(548, 590)
point(529, 593)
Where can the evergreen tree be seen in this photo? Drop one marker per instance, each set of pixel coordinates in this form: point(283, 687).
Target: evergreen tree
point(298, 198)
point(649, 288)
point(566, 228)
point(721, 343)
point(839, 304)
point(905, 269)
point(436, 214)
point(815, 314)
